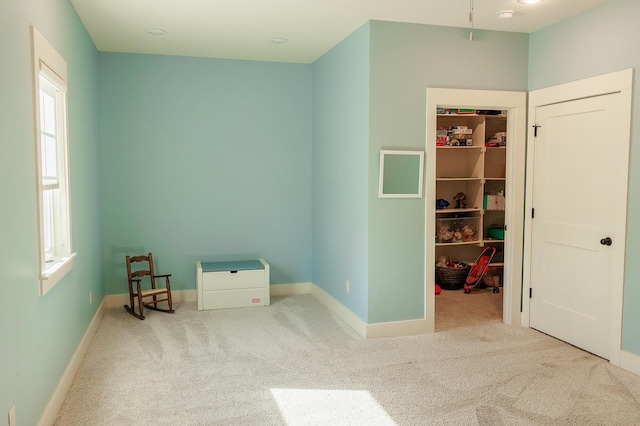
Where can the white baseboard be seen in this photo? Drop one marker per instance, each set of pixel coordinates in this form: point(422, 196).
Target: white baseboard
point(370, 331)
point(119, 300)
point(630, 362)
point(289, 289)
point(340, 310)
point(178, 296)
point(57, 399)
point(398, 328)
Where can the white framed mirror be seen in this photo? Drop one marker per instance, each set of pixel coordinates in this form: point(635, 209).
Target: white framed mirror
point(401, 174)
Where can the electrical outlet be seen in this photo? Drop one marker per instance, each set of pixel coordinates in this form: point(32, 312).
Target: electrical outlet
point(346, 286)
point(12, 416)
point(90, 297)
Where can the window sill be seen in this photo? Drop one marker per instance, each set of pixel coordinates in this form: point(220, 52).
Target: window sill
point(54, 272)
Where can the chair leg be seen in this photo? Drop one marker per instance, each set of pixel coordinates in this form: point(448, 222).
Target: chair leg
point(132, 309)
point(140, 304)
point(170, 302)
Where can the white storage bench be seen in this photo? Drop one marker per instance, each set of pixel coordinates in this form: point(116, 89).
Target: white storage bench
point(232, 284)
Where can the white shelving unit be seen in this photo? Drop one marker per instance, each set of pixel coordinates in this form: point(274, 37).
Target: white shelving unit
point(467, 164)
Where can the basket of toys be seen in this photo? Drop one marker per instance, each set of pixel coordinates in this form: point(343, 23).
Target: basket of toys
point(452, 276)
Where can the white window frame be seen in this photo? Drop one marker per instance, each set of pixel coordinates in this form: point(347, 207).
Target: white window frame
point(56, 257)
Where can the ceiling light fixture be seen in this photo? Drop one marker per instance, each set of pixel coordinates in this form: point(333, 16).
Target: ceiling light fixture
point(279, 40)
point(156, 32)
point(505, 14)
point(529, 1)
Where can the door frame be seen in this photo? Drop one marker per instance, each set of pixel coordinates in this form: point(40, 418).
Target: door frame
point(616, 82)
point(515, 103)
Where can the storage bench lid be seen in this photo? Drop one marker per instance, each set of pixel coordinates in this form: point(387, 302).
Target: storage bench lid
point(241, 265)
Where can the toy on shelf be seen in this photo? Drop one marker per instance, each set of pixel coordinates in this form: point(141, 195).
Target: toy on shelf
point(441, 204)
point(444, 235)
point(461, 200)
point(468, 233)
point(456, 230)
point(499, 139)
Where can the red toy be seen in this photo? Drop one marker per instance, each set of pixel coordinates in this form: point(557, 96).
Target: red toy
point(478, 269)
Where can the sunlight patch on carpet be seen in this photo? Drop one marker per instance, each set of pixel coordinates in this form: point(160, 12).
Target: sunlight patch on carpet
point(335, 407)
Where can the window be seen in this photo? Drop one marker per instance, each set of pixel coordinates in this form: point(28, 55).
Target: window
point(52, 164)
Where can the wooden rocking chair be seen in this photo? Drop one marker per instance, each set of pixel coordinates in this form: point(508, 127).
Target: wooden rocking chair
point(149, 297)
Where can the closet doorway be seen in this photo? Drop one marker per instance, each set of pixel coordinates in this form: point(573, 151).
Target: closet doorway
point(475, 146)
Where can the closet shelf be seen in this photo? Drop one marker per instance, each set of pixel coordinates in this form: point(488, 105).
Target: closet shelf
point(463, 243)
point(458, 179)
point(461, 147)
point(444, 211)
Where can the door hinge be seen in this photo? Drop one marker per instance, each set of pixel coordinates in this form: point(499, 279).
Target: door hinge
point(505, 227)
point(530, 292)
point(535, 130)
point(533, 213)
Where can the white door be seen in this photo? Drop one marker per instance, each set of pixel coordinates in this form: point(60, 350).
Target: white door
point(579, 219)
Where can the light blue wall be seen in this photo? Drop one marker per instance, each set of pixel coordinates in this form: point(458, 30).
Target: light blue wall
point(405, 60)
point(39, 335)
point(369, 94)
point(340, 171)
point(600, 41)
point(205, 159)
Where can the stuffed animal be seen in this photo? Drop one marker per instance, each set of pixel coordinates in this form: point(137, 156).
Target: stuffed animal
point(461, 200)
point(443, 261)
point(445, 235)
point(467, 233)
point(441, 203)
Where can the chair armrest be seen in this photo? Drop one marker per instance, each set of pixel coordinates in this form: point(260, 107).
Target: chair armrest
point(166, 280)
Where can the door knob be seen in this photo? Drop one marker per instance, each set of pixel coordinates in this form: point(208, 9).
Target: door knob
point(606, 241)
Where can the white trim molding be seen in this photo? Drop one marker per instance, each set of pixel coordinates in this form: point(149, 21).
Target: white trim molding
point(290, 289)
point(398, 328)
point(50, 77)
point(515, 103)
point(370, 331)
point(179, 296)
point(340, 310)
point(182, 296)
point(57, 399)
point(629, 362)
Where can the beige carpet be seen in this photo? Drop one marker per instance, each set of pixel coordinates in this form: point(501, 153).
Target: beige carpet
point(295, 363)
point(456, 309)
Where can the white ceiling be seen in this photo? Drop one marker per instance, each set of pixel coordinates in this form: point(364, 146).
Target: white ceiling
point(243, 29)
